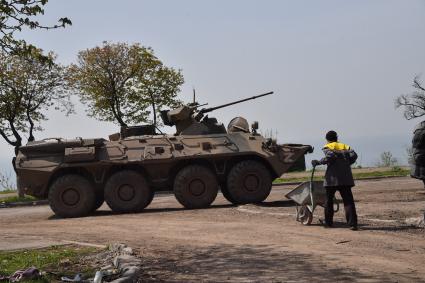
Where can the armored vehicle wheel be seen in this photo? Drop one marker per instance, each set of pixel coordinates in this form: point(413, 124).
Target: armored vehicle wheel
point(226, 194)
point(71, 196)
point(195, 186)
point(249, 182)
point(100, 199)
point(127, 191)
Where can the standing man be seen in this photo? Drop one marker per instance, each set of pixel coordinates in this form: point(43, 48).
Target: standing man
point(338, 177)
point(418, 152)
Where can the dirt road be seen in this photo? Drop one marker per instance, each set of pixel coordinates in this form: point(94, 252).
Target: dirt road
point(251, 243)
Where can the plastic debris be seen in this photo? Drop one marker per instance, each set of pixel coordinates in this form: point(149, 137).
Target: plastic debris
point(77, 278)
point(98, 277)
point(125, 266)
point(24, 274)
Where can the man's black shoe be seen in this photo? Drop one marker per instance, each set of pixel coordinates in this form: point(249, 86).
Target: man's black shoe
point(354, 228)
point(325, 225)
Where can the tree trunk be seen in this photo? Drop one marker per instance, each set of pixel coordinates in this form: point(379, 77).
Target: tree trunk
point(153, 109)
point(116, 111)
point(31, 137)
point(21, 192)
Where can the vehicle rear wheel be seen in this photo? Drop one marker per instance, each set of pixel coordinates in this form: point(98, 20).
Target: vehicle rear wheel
point(226, 194)
point(195, 186)
point(249, 181)
point(127, 191)
point(71, 195)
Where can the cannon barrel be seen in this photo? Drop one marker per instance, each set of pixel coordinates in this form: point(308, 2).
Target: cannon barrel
point(206, 110)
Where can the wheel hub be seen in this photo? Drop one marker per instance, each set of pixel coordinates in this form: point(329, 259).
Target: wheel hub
point(197, 187)
point(70, 197)
point(126, 192)
point(251, 182)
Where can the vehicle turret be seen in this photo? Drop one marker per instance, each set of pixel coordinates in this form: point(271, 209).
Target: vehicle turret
point(190, 120)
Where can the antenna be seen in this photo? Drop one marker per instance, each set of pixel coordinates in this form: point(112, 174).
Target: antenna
point(194, 96)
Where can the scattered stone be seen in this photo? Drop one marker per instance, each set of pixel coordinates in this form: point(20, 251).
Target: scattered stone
point(343, 242)
point(120, 265)
point(415, 222)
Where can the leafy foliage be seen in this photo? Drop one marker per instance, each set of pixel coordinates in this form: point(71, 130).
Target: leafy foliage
point(18, 14)
point(119, 82)
point(29, 85)
point(414, 103)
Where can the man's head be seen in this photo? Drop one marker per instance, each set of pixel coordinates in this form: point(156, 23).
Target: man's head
point(331, 136)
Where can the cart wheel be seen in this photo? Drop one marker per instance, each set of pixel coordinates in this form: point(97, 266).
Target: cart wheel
point(337, 207)
point(304, 215)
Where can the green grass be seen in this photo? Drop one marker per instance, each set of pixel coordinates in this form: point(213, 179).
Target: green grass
point(395, 172)
point(294, 180)
point(57, 261)
point(8, 192)
point(17, 199)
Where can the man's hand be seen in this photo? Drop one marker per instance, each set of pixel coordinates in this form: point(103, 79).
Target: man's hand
point(314, 163)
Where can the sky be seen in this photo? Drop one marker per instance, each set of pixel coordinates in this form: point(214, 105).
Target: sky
point(332, 64)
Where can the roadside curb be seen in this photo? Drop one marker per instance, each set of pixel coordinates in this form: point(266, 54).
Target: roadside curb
point(359, 179)
point(24, 203)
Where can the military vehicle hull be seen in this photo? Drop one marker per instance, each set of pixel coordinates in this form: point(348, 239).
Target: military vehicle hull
point(78, 175)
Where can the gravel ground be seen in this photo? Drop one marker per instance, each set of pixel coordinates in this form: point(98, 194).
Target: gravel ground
point(250, 243)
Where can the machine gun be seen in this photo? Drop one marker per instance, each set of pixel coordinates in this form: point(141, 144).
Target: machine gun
point(203, 111)
point(189, 121)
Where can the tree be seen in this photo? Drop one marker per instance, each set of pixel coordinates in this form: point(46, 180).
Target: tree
point(119, 82)
point(387, 159)
point(414, 103)
point(29, 85)
point(6, 182)
point(409, 154)
point(18, 14)
point(159, 85)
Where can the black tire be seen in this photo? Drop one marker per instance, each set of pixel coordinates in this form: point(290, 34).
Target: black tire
point(226, 194)
point(127, 191)
point(304, 215)
point(249, 181)
point(195, 186)
point(71, 195)
point(100, 199)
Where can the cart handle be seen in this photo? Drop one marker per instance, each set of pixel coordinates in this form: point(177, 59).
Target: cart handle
point(311, 188)
point(312, 173)
point(311, 191)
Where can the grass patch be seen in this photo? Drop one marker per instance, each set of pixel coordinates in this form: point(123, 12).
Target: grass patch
point(56, 261)
point(395, 172)
point(294, 180)
point(8, 192)
point(18, 199)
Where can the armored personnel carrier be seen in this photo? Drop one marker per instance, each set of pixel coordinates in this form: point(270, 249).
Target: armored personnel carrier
point(203, 157)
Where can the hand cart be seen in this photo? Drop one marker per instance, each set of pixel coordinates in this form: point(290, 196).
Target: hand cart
point(307, 197)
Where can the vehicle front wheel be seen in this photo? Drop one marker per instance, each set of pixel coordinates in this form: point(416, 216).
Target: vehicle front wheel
point(100, 199)
point(195, 186)
point(249, 181)
point(72, 195)
point(127, 191)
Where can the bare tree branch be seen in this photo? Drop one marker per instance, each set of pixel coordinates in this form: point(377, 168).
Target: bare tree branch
point(414, 103)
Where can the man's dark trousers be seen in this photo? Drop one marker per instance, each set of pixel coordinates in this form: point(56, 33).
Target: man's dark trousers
point(349, 206)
